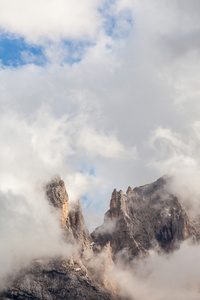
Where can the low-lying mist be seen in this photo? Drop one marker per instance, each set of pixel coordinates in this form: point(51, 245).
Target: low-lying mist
point(160, 276)
point(30, 229)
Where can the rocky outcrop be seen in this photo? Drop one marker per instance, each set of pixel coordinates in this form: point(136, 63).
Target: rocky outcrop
point(96, 263)
point(147, 217)
point(79, 277)
point(78, 227)
point(71, 215)
point(58, 197)
point(55, 280)
point(100, 267)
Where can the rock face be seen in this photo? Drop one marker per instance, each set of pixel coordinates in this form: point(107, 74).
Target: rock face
point(57, 195)
point(59, 278)
point(72, 219)
point(78, 227)
point(55, 280)
point(147, 217)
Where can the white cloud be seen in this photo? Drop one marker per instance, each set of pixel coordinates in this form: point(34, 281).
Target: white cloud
point(34, 150)
point(178, 155)
point(41, 20)
point(129, 87)
point(29, 230)
point(103, 145)
point(160, 277)
point(97, 112)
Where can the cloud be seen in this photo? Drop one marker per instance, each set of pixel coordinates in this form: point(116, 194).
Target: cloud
point(34, 149)
point(25, 231)
point(100, 144)
point(177, 154)
point(41, 20)
point(160, 277)
point(122, 93)
point(102, 110)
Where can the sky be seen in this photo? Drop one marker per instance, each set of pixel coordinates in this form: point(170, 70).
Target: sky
point(103, 93)
point(106, 95)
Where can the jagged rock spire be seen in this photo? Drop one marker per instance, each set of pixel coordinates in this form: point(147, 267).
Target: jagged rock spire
point(147, 217)
point(117, 204)
point(57, 195)
point(71, 214)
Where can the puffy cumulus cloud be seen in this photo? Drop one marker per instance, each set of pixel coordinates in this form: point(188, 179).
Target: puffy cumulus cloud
point(81, 183)
point(100, 144)
point(170, 56)
point(48, 144)
point(41, 20)
point(175, 276)
point(170, 147)
point(119, 92)
point(34, 150)
point(173, 49)
point(28, 151)
point(127, 86)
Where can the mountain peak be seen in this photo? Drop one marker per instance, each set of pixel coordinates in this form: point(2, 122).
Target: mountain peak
point(146, 217)
point(58, 197)
point(71, 214)
point(117, 205)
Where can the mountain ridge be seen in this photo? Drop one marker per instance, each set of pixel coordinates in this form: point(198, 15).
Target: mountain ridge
point(146, 218)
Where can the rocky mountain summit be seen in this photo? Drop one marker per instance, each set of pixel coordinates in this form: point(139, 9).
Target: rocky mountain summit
point(72, 277)
point(145, 218)
point(71, 215)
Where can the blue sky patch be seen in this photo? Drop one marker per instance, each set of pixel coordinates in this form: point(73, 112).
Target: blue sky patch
point(15, 52)
point(116, 25)
point(87, 169)
point(75, 50)
point(85, 201)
